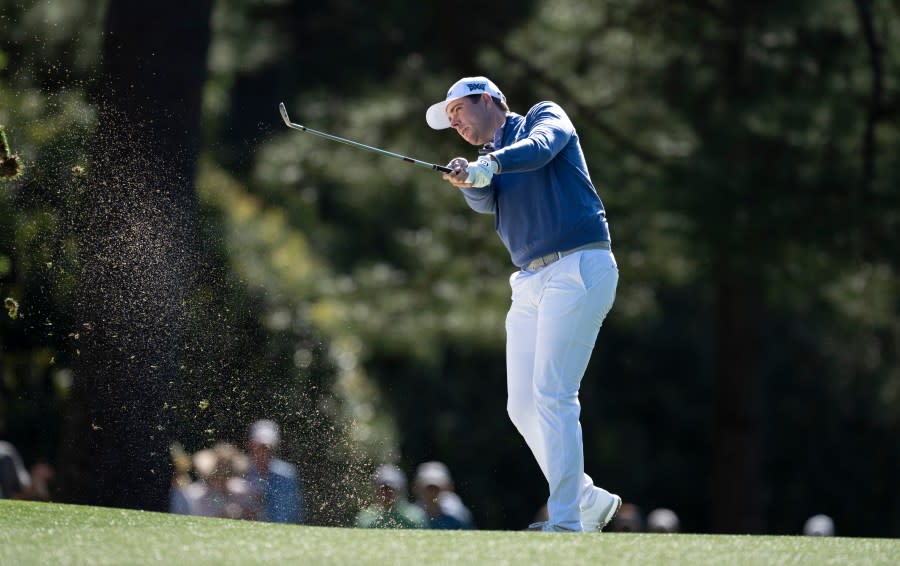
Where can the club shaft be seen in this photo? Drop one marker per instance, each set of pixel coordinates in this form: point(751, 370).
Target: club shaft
point(325, 135)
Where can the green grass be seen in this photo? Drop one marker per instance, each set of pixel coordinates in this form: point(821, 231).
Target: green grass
point(47, 533)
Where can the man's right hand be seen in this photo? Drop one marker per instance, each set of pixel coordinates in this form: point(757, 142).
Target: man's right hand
point(457, 178)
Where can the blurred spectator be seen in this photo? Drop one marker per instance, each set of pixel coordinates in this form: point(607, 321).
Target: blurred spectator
point(221, 492)
point(819, 526)
point(42, 474)
point(14, 478)
point(275, 480)
point(16, 482)
point(180, 494)
point(391, 509)
point(663, 521)
point(628, 520)
point(434, 492)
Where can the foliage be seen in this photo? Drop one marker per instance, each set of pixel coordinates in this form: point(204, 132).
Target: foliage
point(46, 120)
point(730, 143)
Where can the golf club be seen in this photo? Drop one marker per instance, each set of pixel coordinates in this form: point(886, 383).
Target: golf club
point(290, 124)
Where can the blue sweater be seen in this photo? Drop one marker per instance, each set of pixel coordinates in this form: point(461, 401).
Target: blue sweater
point(542, 199)
point(282, 492)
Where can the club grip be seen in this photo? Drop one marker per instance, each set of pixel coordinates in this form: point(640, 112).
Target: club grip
point(442, 169)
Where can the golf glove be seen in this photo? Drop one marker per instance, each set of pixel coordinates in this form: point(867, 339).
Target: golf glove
point(481, 171)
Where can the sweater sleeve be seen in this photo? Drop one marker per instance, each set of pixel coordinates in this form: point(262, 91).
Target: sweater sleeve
point(548, 131)
point(483, 200)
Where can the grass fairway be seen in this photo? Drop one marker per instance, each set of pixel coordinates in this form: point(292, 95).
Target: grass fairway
point(44, 533)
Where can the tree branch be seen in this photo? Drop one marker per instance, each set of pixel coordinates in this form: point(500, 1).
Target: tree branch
point(876, 52)
point(585, 112)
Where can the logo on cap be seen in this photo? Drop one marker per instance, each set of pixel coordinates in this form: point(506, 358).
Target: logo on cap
point(476, 86)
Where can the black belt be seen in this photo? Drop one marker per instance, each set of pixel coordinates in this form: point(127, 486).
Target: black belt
point(545, 260)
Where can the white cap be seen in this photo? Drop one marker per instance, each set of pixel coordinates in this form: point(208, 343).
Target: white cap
point(265, 432)
point(391, 476)
point(433, 473)
point(819, 525)
point(436, 116)
point(662, 520)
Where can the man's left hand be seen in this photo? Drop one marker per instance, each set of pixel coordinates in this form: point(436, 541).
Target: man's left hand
point(481, 171)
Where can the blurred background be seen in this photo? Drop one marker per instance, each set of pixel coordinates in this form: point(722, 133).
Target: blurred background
point(175, 263)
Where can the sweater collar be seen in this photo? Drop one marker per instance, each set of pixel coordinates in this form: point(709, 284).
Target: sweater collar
point(497, 142)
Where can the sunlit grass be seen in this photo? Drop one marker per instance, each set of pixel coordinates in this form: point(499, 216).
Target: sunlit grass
point(42, 533)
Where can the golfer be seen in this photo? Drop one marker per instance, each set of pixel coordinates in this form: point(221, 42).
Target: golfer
point(533, 178)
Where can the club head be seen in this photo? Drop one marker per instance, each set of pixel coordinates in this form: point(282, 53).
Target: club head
point(284, 114)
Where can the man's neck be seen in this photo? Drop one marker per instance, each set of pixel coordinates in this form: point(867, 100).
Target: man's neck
point(499, 120)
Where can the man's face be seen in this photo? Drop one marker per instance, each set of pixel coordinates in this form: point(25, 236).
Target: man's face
point(472, 119)
point(386, 496)
point(262, 453)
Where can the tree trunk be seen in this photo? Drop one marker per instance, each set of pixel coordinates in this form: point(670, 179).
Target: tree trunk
point(737, 502)
point(137, 235)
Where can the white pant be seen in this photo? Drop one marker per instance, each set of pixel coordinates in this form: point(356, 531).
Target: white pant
point(551, 327)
